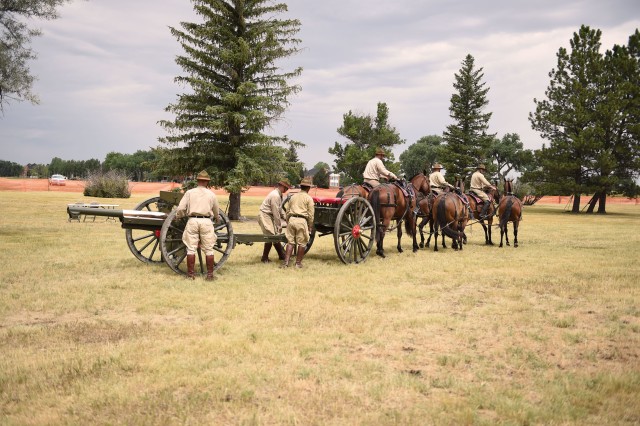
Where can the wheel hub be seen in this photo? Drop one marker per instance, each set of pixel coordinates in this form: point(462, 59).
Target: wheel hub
point(355, 232)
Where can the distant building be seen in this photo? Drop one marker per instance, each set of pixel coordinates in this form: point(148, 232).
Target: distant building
point(334, 180)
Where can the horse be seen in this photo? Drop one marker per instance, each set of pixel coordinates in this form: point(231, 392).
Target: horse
point(449, 214)
point(425, 198)
point(509, 210)
point(389, 203)
point(353, 190)
point(475, 208)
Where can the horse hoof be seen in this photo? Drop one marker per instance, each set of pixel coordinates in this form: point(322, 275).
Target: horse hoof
point(500, 246)
point(400, 250)
point(380, 253)
point(421, 245)
point(515, 246)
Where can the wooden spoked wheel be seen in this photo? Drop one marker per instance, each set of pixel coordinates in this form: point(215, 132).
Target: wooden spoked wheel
point(174, 251)
point(145, 244)
point(355, 230)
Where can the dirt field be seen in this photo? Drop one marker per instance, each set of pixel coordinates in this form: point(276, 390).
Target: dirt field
point(28, 185)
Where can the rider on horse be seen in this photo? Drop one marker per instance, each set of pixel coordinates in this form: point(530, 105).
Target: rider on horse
point(375, 170)
point(478, 185)
point(436, 180)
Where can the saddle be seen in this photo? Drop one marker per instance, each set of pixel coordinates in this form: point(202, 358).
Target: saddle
point(404, 188)
point(367, 186)
point(477, 199)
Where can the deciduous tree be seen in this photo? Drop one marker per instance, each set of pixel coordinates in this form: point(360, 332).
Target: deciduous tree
point(421, 155)
point(16, 80)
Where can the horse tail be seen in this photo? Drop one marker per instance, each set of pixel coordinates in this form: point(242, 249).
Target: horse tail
point(442, 220)
point(374, 199)
point(506, 214)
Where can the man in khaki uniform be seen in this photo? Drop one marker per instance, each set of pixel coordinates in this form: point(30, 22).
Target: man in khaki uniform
point(375, 170)
point(271, 217)
point(300, 222)
point(478, 185)
point(200, 205)
point(436, 180)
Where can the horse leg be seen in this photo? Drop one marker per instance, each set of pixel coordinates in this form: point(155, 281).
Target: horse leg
point(489, 226)
point(415, 239)
point(502, 231)
point(430, 232)
point(380, 243)
point(421, 229)
point(399, 232)
point(515, 233)
point(506, 232)
point(435, 240)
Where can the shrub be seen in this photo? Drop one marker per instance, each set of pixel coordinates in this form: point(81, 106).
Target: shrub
point(112, 184)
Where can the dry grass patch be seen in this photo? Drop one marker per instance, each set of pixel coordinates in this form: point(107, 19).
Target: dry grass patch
point(547, 333)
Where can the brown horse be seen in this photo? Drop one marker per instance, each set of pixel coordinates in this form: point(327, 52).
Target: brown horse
point(353, 190)
point(509, 210)
point(475, 209)
point(389, 203)
point(449, 214)
point(425, 198)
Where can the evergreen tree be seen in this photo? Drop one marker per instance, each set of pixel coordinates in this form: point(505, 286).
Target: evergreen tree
point(236, 90)
point(568, 118)
point(364, 134)
point(467, 140)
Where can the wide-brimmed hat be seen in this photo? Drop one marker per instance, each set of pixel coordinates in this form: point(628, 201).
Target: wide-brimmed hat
point(307, 181)
point(203, 175)
point(285, 182)
point(481, 167)
point(437, 166)
point(380, 151)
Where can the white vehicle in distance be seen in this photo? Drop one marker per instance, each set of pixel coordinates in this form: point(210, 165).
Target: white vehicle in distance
point(58, 180)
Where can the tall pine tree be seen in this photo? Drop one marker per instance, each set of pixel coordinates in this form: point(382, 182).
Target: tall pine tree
point(467, 140)
point(235, 91)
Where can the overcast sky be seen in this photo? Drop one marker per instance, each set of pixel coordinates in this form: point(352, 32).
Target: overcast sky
point(106, 69)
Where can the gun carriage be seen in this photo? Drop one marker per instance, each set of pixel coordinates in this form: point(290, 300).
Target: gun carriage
point(154, 233)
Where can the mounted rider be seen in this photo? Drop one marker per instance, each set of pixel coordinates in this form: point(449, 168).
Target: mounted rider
point(375, 170)
point(437, 181)
point(478, 186)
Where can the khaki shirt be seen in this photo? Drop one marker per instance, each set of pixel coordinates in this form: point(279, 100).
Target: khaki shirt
point(199, 201)
point(436, 180)
point(301, 204)
point(479, 182)
point(272, 207)
point(375, 170)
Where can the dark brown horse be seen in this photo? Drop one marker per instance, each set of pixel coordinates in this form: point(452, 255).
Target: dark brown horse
point(389, 203)
point(425, 198)
point(449, 214)
point(353, 190)
point(509, 210)
point(475, 207)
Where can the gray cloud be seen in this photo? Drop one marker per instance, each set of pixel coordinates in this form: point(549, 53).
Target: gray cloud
point(106, 69)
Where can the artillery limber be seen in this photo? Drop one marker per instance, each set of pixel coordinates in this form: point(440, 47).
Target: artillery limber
point(154, 233)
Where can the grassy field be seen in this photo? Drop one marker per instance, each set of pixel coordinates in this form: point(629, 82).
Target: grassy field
point(548, 333)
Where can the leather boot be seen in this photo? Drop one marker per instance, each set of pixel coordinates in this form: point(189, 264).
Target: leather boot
point(265, 253)
point(485, 208)
point(191, 265)
point(210, 264)
point(300, 256)
point(280, 250)
point(287, 255)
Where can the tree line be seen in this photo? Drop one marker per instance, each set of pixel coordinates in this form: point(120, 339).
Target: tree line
point(236, 89)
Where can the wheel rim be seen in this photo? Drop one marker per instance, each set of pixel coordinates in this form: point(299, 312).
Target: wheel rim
point(354, 231)
point(175, 252)
point(145, 244)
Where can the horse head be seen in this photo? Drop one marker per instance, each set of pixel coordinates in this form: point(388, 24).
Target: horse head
point(421, 183)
